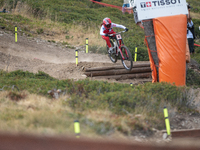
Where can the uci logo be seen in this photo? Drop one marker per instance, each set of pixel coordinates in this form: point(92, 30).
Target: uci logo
point(159, 3)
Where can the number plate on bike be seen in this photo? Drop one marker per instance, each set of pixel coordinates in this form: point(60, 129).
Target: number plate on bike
point(118, 37)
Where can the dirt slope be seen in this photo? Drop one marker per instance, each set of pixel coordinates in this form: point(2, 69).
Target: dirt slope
point(35, 55)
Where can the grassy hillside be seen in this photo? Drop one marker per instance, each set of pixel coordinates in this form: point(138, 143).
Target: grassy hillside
point(102, 108)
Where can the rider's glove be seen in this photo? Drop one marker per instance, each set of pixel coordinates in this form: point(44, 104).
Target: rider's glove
point(106, 34)
point(126, 29)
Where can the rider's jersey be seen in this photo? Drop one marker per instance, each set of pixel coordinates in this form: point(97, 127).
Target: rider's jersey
point(104, 31)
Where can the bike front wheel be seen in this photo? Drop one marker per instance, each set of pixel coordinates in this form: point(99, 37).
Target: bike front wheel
point(126, 58)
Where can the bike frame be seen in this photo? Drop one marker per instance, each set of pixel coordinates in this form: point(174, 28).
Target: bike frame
point(118, 38)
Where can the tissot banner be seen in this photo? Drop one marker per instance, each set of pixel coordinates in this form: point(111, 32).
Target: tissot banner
point(149, 9)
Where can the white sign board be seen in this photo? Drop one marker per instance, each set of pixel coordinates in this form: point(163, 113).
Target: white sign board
point(149, 9)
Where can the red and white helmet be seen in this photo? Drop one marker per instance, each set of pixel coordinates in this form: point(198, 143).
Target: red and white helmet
point(107, 23)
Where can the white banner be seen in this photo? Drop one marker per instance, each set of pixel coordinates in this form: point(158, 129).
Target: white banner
point(149, 9)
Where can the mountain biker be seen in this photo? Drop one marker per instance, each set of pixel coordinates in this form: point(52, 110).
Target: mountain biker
point(107, 28)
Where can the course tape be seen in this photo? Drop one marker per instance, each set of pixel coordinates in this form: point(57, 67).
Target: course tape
point(107, 5)
point(196, 45)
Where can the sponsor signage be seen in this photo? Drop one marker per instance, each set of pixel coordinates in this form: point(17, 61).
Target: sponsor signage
point(149, 9)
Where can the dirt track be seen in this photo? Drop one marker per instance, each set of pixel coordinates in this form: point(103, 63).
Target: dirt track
point(35, 55)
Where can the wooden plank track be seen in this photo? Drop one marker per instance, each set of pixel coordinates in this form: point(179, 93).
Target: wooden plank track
point(189, 133)
point(142, 70)
point(115, 67)
point(125, 76)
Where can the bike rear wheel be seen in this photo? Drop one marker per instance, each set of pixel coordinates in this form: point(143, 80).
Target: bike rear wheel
point(112, 56)
point(126, 58)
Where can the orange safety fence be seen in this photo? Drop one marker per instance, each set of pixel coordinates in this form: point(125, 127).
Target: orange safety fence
point(170, 35)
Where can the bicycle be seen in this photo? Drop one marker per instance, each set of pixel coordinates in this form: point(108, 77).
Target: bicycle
point(120, 50)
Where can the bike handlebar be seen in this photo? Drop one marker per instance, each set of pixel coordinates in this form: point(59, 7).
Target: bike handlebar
point(116, 33)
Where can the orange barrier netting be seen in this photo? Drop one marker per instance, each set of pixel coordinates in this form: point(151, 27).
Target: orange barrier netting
point(170, 35)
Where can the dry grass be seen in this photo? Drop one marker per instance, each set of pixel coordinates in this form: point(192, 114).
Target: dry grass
point(76, 36)
point(40, 115)
point(79, 36)
point(33, 114)
point(195, 15)
point(56, 31)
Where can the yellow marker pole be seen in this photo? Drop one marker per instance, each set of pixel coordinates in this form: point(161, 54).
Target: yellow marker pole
point(77, 128)
point(136, 53)
point(86, 46)
point(166, 121)
point(76, 53)
point(15, 33)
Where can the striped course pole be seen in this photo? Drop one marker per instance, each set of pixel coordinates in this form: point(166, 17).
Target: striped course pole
point(15, 33)
point(77, 128)
point(76, 53)
point(86, 46)
point(135, 53)
point(167, 121)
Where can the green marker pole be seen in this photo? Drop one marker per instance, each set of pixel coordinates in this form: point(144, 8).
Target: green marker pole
point(15, 33)
point(77, 128)
point(135, 53)
point(166, 121)
point(86, 45)
point(76, 53)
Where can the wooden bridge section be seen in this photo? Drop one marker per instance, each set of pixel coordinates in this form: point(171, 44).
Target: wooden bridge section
point(119, 72)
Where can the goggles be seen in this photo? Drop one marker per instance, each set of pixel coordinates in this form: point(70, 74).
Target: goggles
point(108, 25)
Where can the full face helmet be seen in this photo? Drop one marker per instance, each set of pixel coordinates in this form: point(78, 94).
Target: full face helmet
point(107, 23)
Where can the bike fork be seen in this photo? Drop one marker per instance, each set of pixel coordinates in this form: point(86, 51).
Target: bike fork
point(120, 50)
point(121, 54)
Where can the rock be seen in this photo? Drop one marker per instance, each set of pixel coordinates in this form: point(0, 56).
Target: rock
point(84, 76)
point(54, 93)
point(165, 136)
